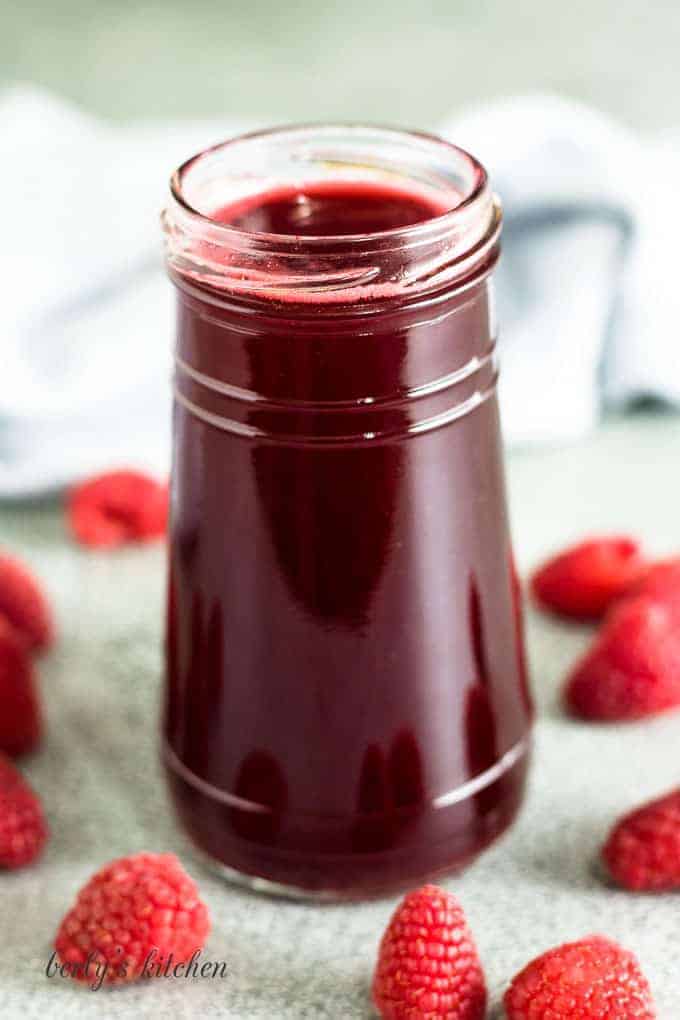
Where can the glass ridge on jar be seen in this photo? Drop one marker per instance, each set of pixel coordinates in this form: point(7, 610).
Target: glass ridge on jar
point(346, 704)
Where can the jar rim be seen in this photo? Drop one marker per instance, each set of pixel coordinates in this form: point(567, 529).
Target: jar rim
point(438, 221)
point(405, 260)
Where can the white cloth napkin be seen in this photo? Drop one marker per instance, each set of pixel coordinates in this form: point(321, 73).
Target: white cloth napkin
point(587, 300)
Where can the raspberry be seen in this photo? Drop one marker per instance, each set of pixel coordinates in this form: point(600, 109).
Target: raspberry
point(643, 849)
point(632, 669)
point(134, 916)
point(20, 717)
point(659, 582)
point(118, 507)
point(594, 979)
point(584, 580)
point(24, 605)
point(428, 968)
point(23, 829)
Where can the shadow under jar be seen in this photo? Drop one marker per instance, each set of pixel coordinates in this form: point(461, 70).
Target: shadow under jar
point(346, 708)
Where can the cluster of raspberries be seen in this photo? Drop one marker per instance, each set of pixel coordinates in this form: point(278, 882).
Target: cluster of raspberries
point(135, 909)
point(428, 967)
point(106, 511)
point(632, 668)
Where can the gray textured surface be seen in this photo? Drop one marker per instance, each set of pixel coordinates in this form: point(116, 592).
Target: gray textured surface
point(98, 776)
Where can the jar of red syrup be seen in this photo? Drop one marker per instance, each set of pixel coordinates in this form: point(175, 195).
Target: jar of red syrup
point(346, 705)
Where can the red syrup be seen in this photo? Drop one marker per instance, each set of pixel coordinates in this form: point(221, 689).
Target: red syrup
point(346, 708)
point(330, 209)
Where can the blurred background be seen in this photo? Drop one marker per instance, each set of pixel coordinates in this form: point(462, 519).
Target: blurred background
point(408, 62)
point(574, 108)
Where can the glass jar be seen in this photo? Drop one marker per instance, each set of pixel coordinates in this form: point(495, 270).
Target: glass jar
point(346, 705)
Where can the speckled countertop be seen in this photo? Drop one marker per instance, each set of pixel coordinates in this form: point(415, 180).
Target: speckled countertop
point(99, 777)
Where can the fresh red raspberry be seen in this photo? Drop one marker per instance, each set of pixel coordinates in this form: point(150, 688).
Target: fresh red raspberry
point(20, 716)
point(23, 829)
point(23, 604)
point(118, 507)
point(134, 916)
point(593, 979)
point(428, 967)
point(643, 849)
point(632, 669)
point(659, 582)
point(583, 581)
